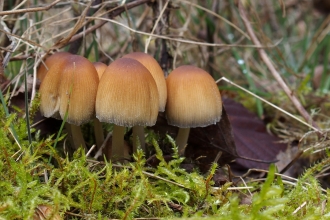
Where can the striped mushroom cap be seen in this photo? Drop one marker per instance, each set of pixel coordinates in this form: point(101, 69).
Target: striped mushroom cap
point(193, 98)
point(157, 73)
point(71, 88)
point(55, 58)
point(127, 95)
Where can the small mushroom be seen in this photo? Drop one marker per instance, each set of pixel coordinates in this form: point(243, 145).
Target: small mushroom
point(157, 73)
point(127, 96)
point(55, 58)
point(193, 100)
point(68, 91)
point(98, 130)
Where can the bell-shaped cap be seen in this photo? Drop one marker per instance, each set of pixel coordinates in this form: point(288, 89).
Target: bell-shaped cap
point(127, 95)
point(193, 98)
point(55, 58)
point(69, 90)
point(157, 73)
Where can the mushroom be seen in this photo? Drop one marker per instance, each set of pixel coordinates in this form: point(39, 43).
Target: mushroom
point(157, 73)
point(68, 92)
point(55, 58)
point(98, 130)
point(193, 100)
point(127, 96)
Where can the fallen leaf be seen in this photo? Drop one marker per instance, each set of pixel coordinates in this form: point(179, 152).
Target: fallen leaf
point(43, 212)
point(251, 137)
point(204, 143)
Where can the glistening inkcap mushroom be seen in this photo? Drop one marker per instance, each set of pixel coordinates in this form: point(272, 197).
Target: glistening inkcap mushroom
point(157, 73)
point(127, 96)
point(98, 130)
point(54, 59)
point(193, 100)
point(68, 91)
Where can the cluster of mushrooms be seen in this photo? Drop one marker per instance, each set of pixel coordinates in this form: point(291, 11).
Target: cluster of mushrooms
point(128, 93)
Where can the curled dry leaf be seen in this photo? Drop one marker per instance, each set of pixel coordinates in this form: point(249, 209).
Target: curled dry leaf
point(44, 212)
point(251, 137)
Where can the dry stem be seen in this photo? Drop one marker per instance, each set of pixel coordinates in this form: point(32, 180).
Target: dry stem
point(273, 70)
point(26, 10)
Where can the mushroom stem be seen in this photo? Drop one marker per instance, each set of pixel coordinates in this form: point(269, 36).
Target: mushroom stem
point(181, 139)
point(118, 144)
point(98, 132)
point(75, 136)
point(138, 138)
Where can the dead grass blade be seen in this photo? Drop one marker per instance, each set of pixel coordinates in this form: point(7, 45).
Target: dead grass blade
point(273, 70)
point(182, 40)
point(218, 16)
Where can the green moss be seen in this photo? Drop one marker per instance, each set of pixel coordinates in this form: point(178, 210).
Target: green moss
point(97, 190)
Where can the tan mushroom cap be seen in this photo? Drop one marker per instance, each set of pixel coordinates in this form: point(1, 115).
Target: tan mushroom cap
point(157, 73)
point(49, 91)
point(127, 95)
point(71, 88)
point(100, 67)
point(193, 98)
point(52, 59)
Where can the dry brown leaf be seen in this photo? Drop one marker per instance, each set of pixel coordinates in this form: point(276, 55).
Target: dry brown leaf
point(251, 137)
point(44, 212)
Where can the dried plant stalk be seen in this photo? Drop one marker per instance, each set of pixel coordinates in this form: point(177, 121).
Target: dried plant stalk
point(273, 70)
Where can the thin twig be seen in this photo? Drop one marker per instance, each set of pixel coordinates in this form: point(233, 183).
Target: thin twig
point(183, 29)
point(299, 208)
point(27, 10)
point(269, 103)
point(114, 13)
point(25, 40)
point(100, 150)
point(90, 150)
point(218, 16)
point(184, 40)
point(274, 72)
point(155, 25)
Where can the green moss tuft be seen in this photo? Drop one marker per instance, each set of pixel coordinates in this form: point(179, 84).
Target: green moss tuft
point(84, 188)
